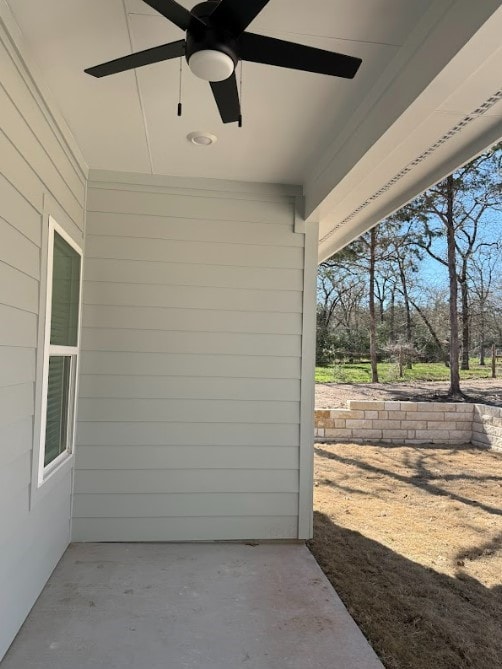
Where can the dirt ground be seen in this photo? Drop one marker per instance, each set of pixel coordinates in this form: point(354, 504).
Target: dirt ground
point(335, 395)
point(411, 538)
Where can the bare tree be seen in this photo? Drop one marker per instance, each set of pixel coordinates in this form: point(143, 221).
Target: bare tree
point(451, 224)
point(423, 315)
point(452, 211)
point(482, 279)
point(373, 342)
point(340, 287)
point(449, 221)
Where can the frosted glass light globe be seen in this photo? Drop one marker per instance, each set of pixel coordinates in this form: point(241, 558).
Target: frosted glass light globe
point(211, 65)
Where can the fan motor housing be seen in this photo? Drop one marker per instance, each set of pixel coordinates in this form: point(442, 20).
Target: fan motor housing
point(204, 9)
point(211, 37)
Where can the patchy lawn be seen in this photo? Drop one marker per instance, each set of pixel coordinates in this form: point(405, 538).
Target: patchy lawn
point(411, 538)
point(388, 372)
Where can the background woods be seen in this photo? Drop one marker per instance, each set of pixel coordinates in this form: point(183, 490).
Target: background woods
point(423, 286)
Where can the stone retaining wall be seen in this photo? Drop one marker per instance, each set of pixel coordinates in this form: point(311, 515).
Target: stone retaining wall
point(412, 423)
point(487, 427)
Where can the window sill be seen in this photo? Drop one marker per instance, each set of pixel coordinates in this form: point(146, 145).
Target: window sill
point(53, 476)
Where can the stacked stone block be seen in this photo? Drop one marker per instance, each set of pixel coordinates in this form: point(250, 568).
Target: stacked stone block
point(397, 422)
point(487, 427)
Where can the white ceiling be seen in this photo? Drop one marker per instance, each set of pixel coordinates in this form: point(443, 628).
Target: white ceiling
point(426, 99)
point(128, 121)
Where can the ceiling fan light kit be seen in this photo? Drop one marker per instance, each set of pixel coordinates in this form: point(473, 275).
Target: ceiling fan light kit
point(211, 65)
point(215, 41)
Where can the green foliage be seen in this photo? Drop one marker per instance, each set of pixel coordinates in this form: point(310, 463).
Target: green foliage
point(324, 345)
point(422, 371)
point(453, 226)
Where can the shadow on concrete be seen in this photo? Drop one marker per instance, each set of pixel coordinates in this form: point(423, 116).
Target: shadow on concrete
point(415, 617)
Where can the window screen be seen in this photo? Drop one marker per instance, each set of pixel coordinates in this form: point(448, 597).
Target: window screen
point(65, 293)
point(62, 350)
point(58, 395)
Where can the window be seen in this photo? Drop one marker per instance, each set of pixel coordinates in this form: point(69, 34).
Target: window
point(61, 350)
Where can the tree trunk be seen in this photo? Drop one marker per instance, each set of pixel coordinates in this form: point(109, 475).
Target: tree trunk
point(392, 322)
point(404, 285)
point(409, 334)
point(482, 345)
point(464, 291)
point(373, 346)
point(454, 390)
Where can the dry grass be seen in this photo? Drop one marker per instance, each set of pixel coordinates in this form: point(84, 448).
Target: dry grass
point(411, 538)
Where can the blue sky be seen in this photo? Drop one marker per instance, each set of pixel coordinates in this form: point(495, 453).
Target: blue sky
point(434, 273)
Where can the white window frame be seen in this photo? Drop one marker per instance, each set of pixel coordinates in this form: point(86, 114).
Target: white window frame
point(45, 472)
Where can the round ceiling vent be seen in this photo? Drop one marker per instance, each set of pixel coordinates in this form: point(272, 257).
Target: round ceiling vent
point(201, 138)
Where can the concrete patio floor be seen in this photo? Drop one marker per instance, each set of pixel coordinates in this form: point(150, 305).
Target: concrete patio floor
point(189, 606)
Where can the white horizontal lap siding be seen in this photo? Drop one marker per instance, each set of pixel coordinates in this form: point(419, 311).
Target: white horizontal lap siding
point(18, 328)
point(191, 297)
point(184, 528)
point(194, 364)
point(38, 175)
point(194, 252)
point(189, 409)
point(185, 229)
point(194, 204)
point(113, 410)
point(181, 456)
point(125, 433)
point(190, 504)
point(107, 270)
point(227, 388)
point(192, 320)
point(179, 341)
point(18, 289)
point(194, 481)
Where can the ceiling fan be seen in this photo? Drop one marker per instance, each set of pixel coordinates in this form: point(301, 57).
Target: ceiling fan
point(216, 40)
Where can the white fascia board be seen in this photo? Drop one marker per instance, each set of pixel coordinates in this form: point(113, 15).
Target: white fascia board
point(484, 134)
point(456, 45)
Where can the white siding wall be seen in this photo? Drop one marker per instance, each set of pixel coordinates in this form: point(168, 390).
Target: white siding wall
point(189, 408)
point(38, 174)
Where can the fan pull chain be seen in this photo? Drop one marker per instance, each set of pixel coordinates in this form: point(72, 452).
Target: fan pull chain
point(240, 96)
point(180, 105)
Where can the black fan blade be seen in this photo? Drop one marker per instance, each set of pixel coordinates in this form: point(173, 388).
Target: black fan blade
point(271, 51)
point(227, 98)
point(172, 11)
point(138, 59)
point(236, 15)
